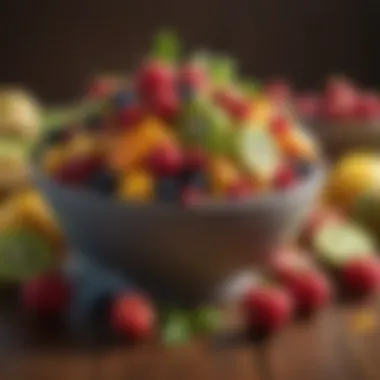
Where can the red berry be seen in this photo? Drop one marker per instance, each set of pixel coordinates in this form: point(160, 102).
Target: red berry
point(165, 160)
point(268, 308)
point(133, 316)
point(361, 276)
point(309, 288)
point(154, 78)
point(46, 296)
point(191, 76)
point(284, 178)
point(131, 116)
point(367, 107)
point(165, 104)
point(239, 109)
point(78, 170)
point(241, 189)
point(279, 125)
point(191, 196)
point(339, 100)
point(194, 159)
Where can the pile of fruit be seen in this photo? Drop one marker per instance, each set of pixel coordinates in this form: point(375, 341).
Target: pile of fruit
point(340, 101)
point(179, 130)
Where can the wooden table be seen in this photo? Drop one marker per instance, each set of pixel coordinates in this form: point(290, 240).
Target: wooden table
point(339, 344)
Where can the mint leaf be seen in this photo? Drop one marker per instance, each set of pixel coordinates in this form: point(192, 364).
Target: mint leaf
point(166, 47)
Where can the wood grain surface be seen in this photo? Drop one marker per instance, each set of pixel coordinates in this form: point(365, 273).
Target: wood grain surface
point(339, 344)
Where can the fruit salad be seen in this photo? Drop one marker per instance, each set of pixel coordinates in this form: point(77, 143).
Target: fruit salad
point(179, 129)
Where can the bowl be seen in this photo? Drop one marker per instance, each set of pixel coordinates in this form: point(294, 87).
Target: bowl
point(340, 138)
point(177, 254)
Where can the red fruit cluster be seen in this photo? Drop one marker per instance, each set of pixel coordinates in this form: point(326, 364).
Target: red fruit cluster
point(341, 100)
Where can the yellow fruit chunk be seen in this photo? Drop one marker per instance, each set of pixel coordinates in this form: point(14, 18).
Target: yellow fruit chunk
point(137, 186)
point(83, 145)
point(352, 177)
point(27, 209)
point(296, 144)
point(262, 111)
point(223, 173)
point(131, 148)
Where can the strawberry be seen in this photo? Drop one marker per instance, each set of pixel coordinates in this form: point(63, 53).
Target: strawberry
point(239, 108)
point(309, 288)
point(47, 295)
point(132, 316)
point(153, 78)
point(267, 308)
point(165, 160)
point(339, 100)
point(361, 277)
point(367, 107)
point(165, 104)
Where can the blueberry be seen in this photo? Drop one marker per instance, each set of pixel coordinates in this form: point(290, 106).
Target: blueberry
point(194, 178)
point(123, 98)
point(168, 189)
point(103, 182)
point(303, 167)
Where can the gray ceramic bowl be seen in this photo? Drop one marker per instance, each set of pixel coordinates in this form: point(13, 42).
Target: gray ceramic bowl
point(174, 253)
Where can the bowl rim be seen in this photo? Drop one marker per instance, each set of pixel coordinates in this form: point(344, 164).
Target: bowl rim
point(314, 178)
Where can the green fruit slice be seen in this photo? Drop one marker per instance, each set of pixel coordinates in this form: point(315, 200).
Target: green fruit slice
point(257, 151)
point(23, 254)
point(206, 320)
point(176, 328)
point(204, 125)
point(336, 243)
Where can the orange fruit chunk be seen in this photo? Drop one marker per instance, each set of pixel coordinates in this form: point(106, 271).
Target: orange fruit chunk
point(223, 174)
point(131, 148)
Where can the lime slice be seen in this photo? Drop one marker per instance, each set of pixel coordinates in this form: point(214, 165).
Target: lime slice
point(176, 328)
point(206, 320)
point(336, 243)
point(257, 151)
point(23, 254)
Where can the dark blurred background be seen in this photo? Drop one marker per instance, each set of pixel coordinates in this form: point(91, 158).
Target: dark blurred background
point(54, 47)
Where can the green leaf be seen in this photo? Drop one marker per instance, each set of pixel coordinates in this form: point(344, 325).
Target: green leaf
point(166, 47)
point(223, 70)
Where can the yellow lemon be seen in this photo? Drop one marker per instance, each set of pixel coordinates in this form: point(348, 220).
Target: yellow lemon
point(352, 177)
point(137, 186)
